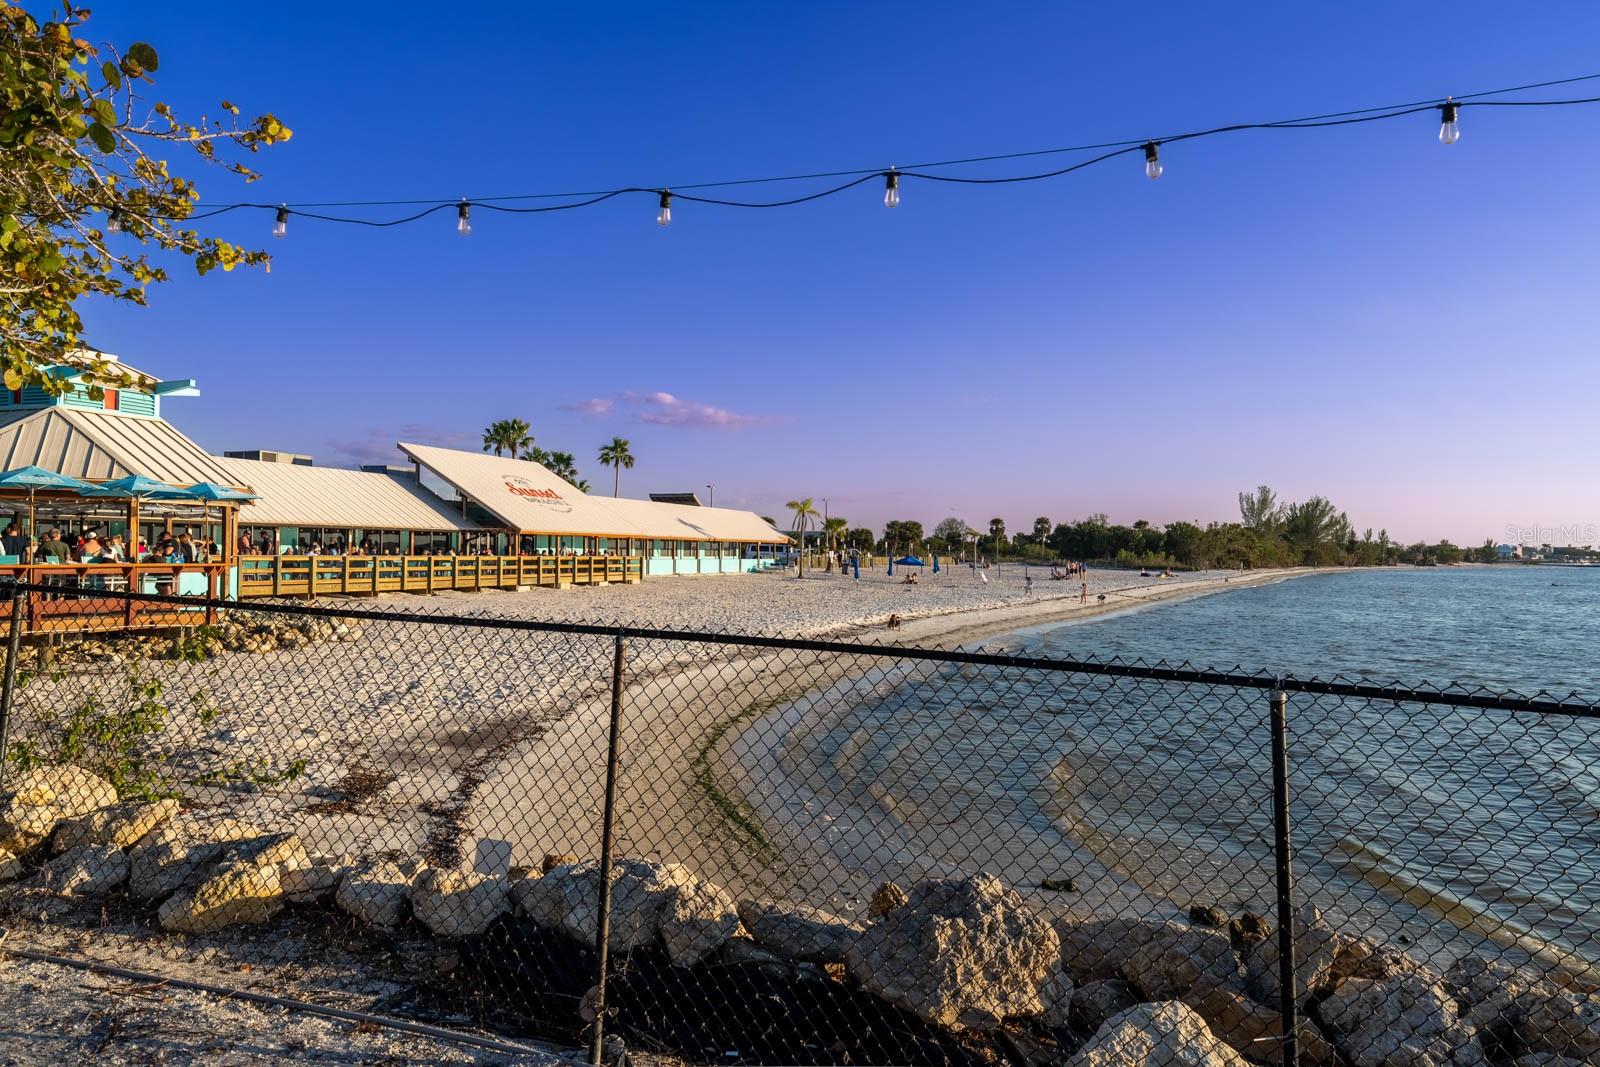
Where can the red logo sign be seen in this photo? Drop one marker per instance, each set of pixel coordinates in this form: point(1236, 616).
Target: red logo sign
point(519, 486)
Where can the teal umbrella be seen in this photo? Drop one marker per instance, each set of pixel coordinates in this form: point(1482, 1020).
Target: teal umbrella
point(142, 488)
point(34, 479)
point(213, 491)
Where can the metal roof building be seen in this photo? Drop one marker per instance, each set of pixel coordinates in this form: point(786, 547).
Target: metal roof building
point(101, 445)
point(297, 495)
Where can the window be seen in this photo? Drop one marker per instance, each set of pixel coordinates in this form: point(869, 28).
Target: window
point(110, 400)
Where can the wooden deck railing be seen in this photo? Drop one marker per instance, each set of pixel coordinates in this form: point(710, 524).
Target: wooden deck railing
point(75, 609)
point(261, 576)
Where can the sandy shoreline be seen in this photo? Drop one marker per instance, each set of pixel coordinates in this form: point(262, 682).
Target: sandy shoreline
point(698, 760)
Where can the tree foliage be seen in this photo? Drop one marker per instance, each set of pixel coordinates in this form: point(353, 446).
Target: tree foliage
point(507, 436)
point(82, 146)
point(616, 454)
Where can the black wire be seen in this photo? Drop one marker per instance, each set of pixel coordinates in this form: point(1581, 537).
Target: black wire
point(914, 170)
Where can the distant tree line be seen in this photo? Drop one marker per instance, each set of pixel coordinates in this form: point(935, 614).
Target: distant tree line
point(1269, 533)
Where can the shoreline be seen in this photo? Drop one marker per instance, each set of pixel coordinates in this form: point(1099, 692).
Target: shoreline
point(703, 717)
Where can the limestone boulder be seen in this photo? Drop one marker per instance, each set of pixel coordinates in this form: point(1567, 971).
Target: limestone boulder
point(799, 931)
point(1489, 992)
point(88, 870)
point(317, 881)
point(1095, 950)
point(649, 901)
point(10, 866)
point(1253, 1029)
point(179, 853)
point(120, 825)
point(1056, 994)
point(963, 952)
point(1406, 1021)
point(44, 796)
point(1563, 1024)
point(246, 886)
point(455, 903)
point(1316, 947)
point(1177, 960)
point(377, 891)
point(1165, 1034)
point(886, 898)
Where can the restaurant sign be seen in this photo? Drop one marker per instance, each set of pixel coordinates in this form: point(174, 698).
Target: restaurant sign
point(521, 487)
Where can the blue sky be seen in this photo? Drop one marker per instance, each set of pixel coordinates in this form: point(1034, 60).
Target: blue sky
point(1404, 327)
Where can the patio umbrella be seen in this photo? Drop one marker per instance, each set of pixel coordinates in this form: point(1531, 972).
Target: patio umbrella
point(855, 562)
point(213, 491)
point(936, 563)
point(910, 561)
point(139, 487)
point(34, 479)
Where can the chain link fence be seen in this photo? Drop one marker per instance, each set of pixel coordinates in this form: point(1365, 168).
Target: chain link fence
point(738, 849)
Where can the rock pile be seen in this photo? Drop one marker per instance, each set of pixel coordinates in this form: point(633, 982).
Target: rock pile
point(238, 631)
point(959, 954)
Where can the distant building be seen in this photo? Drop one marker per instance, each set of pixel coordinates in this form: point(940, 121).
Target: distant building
point(689, 499)
point(1508, 552)
point(262, 455)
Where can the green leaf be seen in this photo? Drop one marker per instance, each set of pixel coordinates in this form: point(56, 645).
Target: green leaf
point(113, 76)
point(102, 138)
point(143, 55)
point(104, 111)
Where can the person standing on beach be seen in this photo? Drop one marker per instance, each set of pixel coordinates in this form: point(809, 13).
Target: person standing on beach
point(1083, 593)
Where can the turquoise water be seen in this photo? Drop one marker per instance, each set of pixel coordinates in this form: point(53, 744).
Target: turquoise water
point(1527, 628)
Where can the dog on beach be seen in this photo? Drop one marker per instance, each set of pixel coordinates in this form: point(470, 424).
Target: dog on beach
point(894, 622)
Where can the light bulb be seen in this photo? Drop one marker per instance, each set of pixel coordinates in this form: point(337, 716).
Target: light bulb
point(1449, 125)
point(664, 216)
point(891, 190)
point(280, 228)
point(463, 218)
point(1152, 160)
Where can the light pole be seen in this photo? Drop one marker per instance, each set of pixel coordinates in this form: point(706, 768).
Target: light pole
point(711, 501)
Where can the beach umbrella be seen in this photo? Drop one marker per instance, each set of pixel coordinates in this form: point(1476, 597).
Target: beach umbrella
point(910, 561)
point(34, 479)
point(936, 563)
point(213, 491)
point(855, 562)
point(137, 486)
point(891, 565)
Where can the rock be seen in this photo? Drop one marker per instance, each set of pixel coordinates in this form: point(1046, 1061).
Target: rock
point(886, 898)
point(552, 860)
point(1254, 1029)
point(1405, 1021)
point(119, 825)
point(698, 921)
point(1095, 1002)
point(1362, 957)
point(1315, 946)
point(10, 866)
point(1487, 991)
point(961, 953)
point(1548, 1059)
point(1056, 993)
point(1168, 1034)
point(742, 951)
point(458, 903)
point(648, 900)
point(1097, 949)
point(177, 854)
point(1247, 928)
point(318, 881)
point(88, 870)
point(799, 931)
point(247, 886)
point(42, 797)
point(377, 892)
point(1207, 915)
point(1059, 885)
point(1565, 1024)
point(1176, 960)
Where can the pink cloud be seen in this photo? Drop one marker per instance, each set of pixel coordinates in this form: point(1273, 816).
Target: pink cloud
point(376, 445)
point(665, 409)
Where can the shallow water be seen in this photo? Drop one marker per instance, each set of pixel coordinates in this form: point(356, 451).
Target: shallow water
point(1420, 823)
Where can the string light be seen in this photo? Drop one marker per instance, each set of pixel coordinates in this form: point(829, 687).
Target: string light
point(1152, 160)
point(1449, 123)
point(528, 203)
point(280, 228)
point(463, 218)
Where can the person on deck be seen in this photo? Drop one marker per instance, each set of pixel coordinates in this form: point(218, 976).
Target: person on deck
point(13, 541)
point(53, 546)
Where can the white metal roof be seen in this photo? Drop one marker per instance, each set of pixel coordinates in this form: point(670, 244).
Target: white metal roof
point(526, 496)
point(100, 445)
point(295, 495)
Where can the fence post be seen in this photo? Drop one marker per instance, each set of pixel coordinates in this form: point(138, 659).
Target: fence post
point(1288, 1007)
point(602, 933)
point(8, 684)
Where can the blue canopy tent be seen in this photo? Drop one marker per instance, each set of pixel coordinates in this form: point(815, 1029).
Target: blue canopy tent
point(138, 487)
point(213, 491)
point(910, 561)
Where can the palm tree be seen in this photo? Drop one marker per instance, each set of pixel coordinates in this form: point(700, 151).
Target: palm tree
point(835, 529)
point(997, 533)
point(805, 513)
point(563, 466)
point(616, 456)
point(507, 435)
